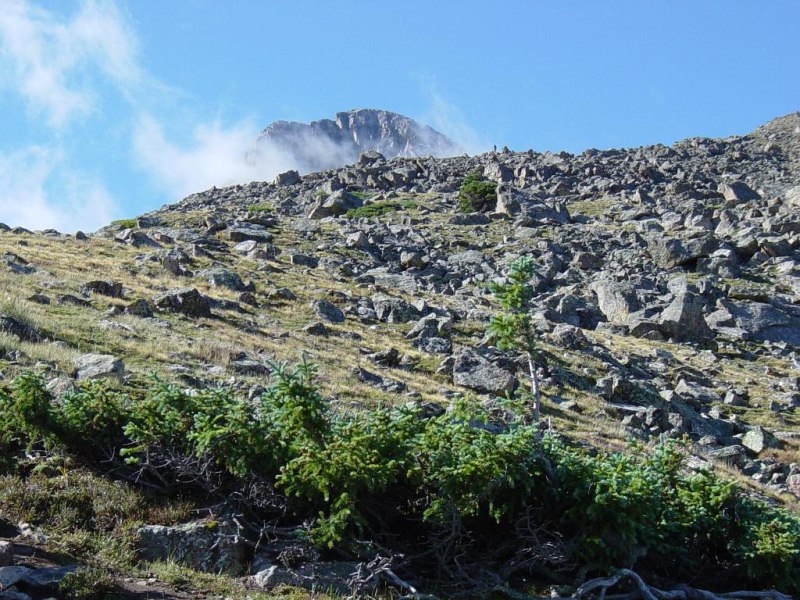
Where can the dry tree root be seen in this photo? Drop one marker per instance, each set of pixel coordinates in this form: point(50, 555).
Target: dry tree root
point(602, 585)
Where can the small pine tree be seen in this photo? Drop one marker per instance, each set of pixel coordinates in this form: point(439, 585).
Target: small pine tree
point(476, 193)
point(512, 328)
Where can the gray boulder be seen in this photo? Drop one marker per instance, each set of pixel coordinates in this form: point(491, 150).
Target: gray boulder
point(244, 233)
point(187, 301)
point(140, 308)
point(335, 205)
point(38, 579)
point(431, 325)
point(756, 321)
point(112, 289)
point(390, 309)
point(369, 158)
point(225, 278)
point(6, 553)
point(99, 366)
point(737, 193)
point(673, 252)
point(377, 381)
point(475, 218)
point(333, 577)
point(616, 300)
point(758, 439)
point(327, 311)
point(473, 370)
point(288, 178)
point(25, 332)
point(683, 319)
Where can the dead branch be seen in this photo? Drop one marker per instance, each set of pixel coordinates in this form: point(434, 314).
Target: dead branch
point(643, 590)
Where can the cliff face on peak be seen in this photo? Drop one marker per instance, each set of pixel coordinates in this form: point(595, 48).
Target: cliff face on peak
point(331, 143)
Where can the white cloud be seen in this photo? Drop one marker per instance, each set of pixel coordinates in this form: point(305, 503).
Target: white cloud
point(447, 118)
point(215, 155)
point(28, 179)
point(49, 62)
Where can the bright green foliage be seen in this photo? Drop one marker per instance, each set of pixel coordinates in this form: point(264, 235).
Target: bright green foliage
point(512, 328)
point(25, 413)
point(94, 411)
point(359, 459)
point(160, 420)
point(294, 405)
point(259, 208)
point(377, 209)
point(476, 193)
point(352, 474)
point(230, 432)
point(125, 223)
point(243, 437)
point(470, 471)
point(623, 504)
point(769, 545)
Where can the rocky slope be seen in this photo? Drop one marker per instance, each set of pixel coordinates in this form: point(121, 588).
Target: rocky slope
point(330, 143)
point(667, 291)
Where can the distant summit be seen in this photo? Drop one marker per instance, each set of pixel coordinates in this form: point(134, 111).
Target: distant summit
point(331, 143)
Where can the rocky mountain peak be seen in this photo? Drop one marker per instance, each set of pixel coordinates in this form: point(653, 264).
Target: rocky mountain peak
point(331, 143)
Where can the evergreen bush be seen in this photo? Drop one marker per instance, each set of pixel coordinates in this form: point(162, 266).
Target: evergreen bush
point(476, 193)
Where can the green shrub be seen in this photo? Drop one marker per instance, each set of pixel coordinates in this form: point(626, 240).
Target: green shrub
point(259, 208)
point(87, 584)
point(25, 418)
point(95, 412)
point(395, 475)
point(476, 193)
point(380, 208)
point(125, 223)
point(359, 459)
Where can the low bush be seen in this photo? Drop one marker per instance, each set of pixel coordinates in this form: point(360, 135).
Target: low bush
point(380, 208)
point(259, 208)
point(471, 492)
point(88, 584)
point(125, 223)
point(476, 194)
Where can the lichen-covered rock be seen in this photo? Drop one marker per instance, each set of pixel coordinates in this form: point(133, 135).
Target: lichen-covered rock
point(208, 546)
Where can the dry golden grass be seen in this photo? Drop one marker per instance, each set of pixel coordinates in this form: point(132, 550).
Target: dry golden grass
point(273, 330)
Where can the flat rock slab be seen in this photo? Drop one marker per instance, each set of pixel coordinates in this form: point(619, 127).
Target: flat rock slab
point(99, 366)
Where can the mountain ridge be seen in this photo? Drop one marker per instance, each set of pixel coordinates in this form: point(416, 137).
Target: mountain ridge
point(328, 143)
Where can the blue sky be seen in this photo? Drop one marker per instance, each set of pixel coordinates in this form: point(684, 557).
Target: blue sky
point(109, 109)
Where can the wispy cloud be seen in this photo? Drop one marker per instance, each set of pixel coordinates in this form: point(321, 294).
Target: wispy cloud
point(447, 118)
point(51, 63)
point(64, 67)
point(28, 178)
point(213, 155)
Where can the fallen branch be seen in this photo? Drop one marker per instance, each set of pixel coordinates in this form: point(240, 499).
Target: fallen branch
point(643, 590)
